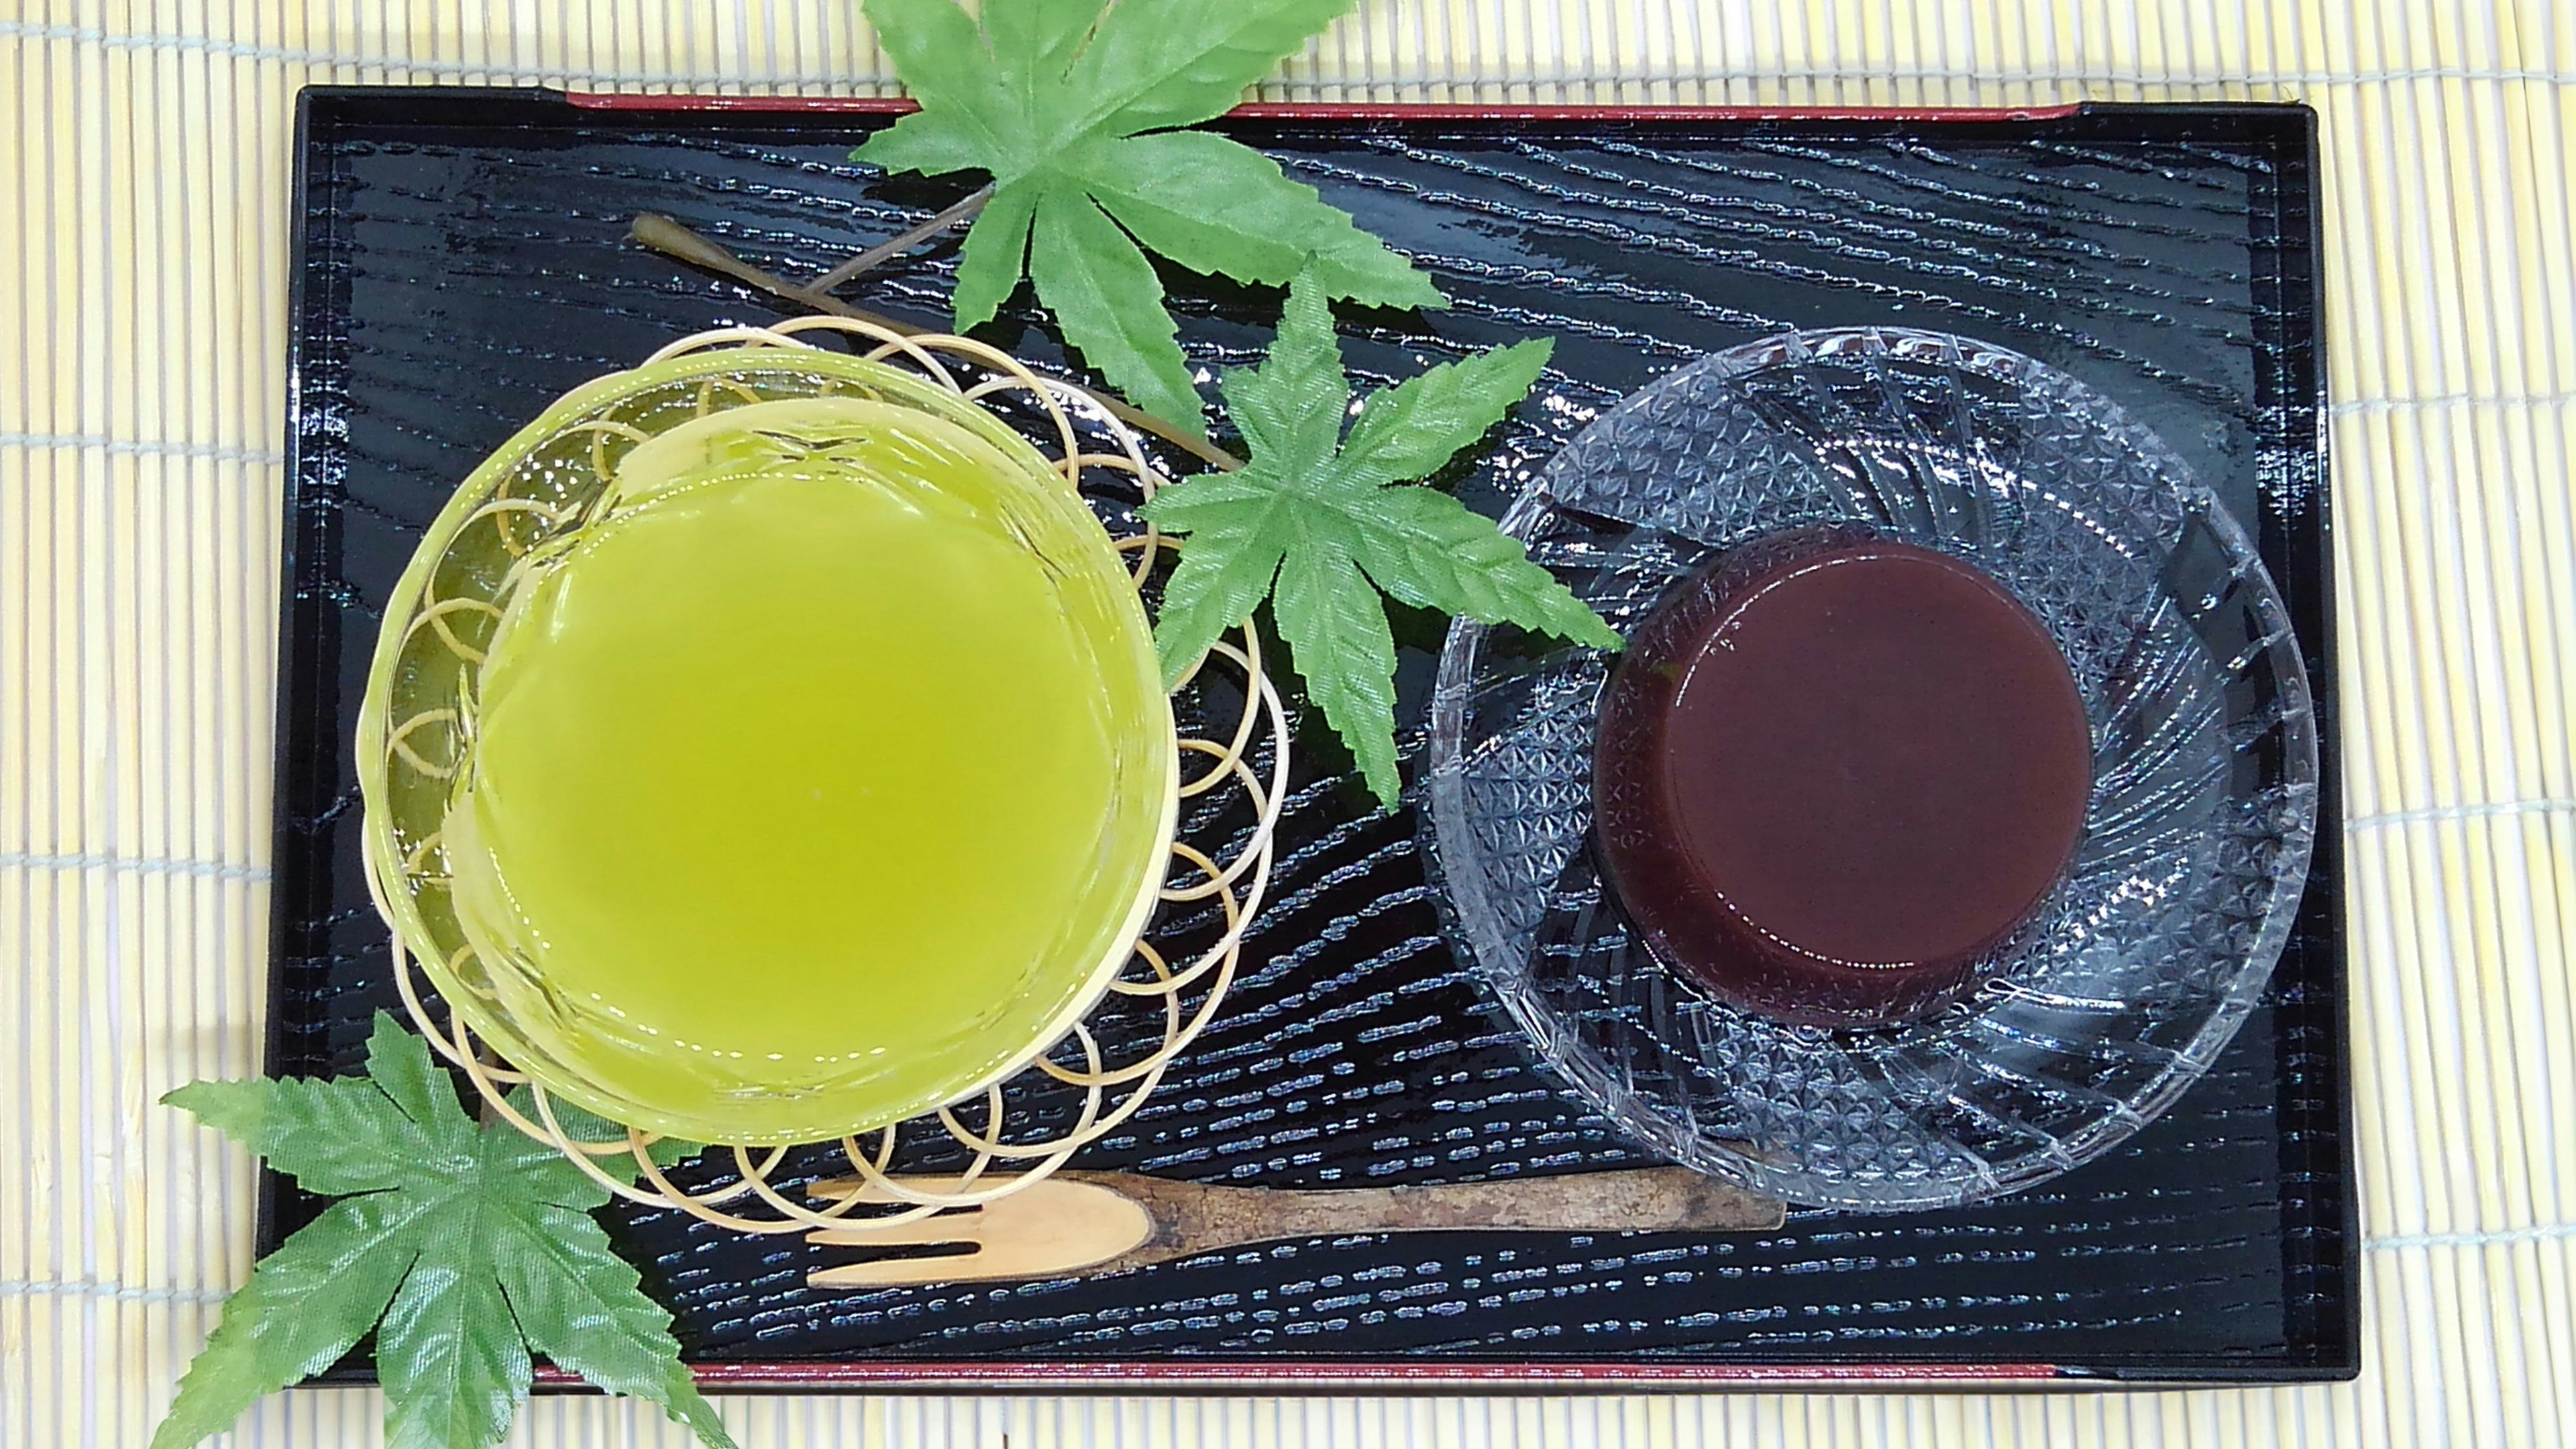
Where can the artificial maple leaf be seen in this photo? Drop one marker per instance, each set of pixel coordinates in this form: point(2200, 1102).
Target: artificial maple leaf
point(1321, 519)
point(1069, 107)
point(474, 1246)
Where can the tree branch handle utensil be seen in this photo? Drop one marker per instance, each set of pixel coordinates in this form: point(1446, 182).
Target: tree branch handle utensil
point(1108, 1222)
point(653, 230)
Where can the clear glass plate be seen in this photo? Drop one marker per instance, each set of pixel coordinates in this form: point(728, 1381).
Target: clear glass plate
point(2128, 981)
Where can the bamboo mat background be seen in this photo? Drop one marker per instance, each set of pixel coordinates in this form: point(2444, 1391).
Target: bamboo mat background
point(144, 157)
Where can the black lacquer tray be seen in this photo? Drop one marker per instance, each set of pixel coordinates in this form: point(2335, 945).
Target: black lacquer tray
point(461, 260)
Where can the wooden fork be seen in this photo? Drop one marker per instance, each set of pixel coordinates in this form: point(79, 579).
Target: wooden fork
point(1108, 1222)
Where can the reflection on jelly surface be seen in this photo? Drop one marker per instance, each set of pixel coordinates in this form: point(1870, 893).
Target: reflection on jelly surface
point(1835, 771)
point(816, 782)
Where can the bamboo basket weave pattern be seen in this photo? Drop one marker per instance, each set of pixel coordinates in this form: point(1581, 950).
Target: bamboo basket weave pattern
point(1245, 760)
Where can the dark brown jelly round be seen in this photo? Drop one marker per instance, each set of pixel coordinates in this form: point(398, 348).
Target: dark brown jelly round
point(1835, 772)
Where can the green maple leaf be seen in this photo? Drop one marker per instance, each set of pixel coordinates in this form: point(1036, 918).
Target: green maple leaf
point(1069, 107)
point(474, 1247)
point(1319, 517)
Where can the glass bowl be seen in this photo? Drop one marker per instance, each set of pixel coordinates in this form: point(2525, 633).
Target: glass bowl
point(2129, 979)
point(886, 1022)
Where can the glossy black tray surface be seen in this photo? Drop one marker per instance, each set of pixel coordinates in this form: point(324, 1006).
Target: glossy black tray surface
point(462, 260)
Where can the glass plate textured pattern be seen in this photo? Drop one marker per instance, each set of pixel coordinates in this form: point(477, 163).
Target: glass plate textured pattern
point(2120, 990)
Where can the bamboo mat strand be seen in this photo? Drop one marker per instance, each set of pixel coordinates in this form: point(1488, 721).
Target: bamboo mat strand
point(145, 151)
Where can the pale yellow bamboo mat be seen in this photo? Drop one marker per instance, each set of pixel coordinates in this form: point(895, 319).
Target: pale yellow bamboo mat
point(143, 243)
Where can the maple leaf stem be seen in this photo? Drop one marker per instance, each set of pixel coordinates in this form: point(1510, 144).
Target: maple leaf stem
point(656, 232)
point(895, 246)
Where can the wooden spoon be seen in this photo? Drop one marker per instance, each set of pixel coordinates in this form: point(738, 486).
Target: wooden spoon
point(1108, 1222)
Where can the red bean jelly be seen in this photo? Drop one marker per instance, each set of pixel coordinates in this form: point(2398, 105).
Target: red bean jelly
point(1835, 772)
